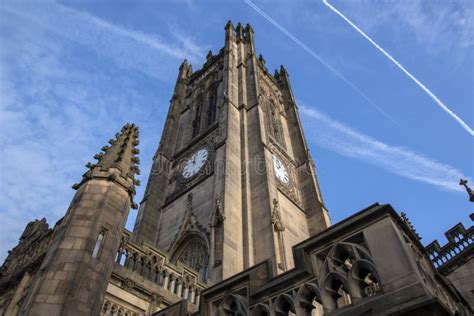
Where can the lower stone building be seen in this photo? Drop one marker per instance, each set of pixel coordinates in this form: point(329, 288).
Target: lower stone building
point(232, 221)
point(371, 263)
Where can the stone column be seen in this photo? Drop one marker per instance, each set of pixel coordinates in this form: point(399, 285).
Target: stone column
point(179, 287)
point(166, 278)
point(172, 283)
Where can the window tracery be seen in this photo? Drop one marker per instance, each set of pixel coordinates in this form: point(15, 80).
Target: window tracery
point(197, 116)
point(212, 106)
point(274, 124)
point(347, 274)
point(194, 253)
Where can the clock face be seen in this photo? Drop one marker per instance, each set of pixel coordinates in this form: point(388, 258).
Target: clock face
point(280, 170)
point(195, 163)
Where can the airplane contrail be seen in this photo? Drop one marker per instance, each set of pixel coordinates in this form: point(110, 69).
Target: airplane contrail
point(421, 85)
point(318, 58)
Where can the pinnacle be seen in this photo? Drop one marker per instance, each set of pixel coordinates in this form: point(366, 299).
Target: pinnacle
point(118, 159)
point(248, 27)
point(184, 64)
point(229, 25)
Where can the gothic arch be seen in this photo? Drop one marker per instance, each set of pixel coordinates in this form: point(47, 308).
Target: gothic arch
point(273, 122)
point(347, 274)
point(192, 249)
point(306, 296)
point(211, 106)
point(336, 291)
point(363, 276)
point(283, 305)
point(260, 310)
point(197, 110)
point(235, 305)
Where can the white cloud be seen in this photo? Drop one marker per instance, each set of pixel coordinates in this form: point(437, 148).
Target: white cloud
point(438, 25)
point(347, 141)
point(56, 112)
point(438, 102)
point(68, 84)
point(150, 54)
point(316, 56)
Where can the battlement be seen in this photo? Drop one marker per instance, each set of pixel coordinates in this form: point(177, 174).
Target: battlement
point(460, 246)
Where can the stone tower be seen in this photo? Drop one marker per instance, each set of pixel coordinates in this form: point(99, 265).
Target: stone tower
point(75, 272)
point(232, 182)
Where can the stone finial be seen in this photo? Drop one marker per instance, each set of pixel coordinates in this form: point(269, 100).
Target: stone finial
point(209, 55)
point(184, 64)
point(276, 74)
point(229, 25)
point(409, 224)
point(249, 28)
point(261, 59)
point(190, 70)
point(239, 31)
point(470, 192)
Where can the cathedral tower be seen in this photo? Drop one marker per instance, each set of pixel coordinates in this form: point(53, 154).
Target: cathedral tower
point(75, 272)
point(232, 182)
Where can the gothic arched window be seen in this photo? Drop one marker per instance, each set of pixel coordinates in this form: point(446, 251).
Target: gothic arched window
point(197, 116)
point(212, 106)
point(194, 253)
point(274, 124)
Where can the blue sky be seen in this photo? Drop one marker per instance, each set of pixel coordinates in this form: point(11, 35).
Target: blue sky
point(73, 72)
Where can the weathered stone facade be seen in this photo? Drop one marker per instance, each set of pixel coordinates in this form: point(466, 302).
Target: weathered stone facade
point(372, 263)
point(232, 221)
point(246, 120)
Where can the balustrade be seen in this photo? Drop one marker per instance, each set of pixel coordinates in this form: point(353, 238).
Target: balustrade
point(152, 266)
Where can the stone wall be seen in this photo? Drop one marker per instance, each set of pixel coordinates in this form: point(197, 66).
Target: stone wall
point(371, 263)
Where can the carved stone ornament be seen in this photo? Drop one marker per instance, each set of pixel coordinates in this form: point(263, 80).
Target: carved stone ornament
point(276, 217)
point(156, 298)
point(218, 216)
point(128, 284)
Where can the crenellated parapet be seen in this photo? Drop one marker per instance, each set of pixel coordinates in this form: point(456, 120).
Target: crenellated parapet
point(460, 245)
point(455, 259)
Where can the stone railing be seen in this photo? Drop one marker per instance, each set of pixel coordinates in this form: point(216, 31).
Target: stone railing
point(154, 266)
point(112, 309)
point(460, 242)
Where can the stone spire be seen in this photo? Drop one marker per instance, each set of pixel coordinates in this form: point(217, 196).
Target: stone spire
point(85, 243)
point(117, 161)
